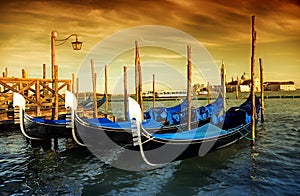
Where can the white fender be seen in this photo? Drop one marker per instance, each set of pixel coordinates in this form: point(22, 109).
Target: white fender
point(18, 100)
point(135, 116)
point(134, 110)
point(71, 102)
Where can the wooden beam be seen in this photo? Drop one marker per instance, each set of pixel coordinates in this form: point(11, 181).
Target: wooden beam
point(13, 79)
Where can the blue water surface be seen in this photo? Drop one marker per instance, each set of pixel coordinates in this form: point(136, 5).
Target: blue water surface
point(272, 167)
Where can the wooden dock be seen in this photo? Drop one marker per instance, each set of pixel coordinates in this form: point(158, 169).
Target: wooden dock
point(44, 97)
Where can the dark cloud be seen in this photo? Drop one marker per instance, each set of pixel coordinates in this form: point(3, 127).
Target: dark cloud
point(224, 26)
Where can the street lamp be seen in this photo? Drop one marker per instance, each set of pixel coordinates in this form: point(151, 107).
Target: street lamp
point(76, 46)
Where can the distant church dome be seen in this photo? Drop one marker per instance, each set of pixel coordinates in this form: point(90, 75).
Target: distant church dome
point(244, 77)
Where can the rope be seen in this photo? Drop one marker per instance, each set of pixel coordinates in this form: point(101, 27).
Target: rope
point(179, 128)
point(248, 138)
point(22, 126)
point(73, 129)
point(139, 126)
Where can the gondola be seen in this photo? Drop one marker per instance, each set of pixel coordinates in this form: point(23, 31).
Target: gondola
point(39, 128)
point(195, 142)
point(120, 132)
point(116, 143)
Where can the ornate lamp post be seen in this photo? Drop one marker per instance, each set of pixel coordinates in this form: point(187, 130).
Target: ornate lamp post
point(54, 70)
point(76, 46)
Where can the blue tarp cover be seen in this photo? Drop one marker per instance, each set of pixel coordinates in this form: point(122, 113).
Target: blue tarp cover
point(206, 131)
point(103, 122)
point(40, 120)
point(177, 114)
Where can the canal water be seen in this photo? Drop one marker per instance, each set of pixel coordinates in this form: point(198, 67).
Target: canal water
point(271, 168)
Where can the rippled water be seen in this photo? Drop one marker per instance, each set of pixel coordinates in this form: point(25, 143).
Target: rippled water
point(271, 168)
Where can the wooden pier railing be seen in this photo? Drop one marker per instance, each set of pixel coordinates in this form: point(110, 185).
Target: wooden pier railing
point(42, 95)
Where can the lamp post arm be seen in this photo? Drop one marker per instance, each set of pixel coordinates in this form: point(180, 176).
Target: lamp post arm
point(64, 40)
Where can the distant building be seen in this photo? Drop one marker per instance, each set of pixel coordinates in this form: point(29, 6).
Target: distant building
point(243, 84)
point(276, 86)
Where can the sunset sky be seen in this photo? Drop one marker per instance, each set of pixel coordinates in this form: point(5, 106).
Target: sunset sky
point(222, 27)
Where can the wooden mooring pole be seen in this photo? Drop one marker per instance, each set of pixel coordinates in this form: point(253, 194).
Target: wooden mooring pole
point(55, 84)
point(253, 79)
point(237, 87)
point(73, 83)
point(153, 91)
point(125, 94)
point(55, 92)
point(6, 72)
point(138, 78)
point(106, 89)
point(77, 87)
point(208, 93)
point(94, 89)
point(44, 71)
point(189, 87)
point(223, 85)
point(262, 91)
point(137, 62)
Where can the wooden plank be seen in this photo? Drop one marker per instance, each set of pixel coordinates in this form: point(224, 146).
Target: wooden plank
point(13, 80)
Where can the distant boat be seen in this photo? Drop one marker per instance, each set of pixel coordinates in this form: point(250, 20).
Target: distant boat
point(166, 94)
point(90, 103)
